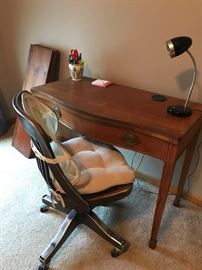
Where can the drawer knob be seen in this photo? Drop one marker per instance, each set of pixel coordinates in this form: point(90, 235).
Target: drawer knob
point(130, 139)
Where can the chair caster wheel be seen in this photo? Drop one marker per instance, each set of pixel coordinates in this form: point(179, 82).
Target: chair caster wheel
point(176, 203)
point(44, 208)
point(43, 267)
point(116, 252)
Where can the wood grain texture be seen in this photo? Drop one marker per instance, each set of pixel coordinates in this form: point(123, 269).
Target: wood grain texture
point(122, 106)
point(41, 68)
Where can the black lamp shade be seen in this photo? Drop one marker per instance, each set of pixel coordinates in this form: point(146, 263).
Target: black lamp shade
point(178, 45)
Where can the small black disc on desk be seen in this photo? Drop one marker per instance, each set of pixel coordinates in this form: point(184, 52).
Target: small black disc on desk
point(159, 98)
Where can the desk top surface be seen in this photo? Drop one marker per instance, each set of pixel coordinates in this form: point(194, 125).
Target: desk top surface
point(130, 106)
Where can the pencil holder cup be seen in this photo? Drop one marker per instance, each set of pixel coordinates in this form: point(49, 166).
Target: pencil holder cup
point(76, 71)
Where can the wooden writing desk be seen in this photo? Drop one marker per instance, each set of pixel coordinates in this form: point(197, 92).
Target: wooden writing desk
point(129, 118)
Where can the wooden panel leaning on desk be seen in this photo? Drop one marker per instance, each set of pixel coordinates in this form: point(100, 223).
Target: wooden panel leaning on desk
point(131, 119)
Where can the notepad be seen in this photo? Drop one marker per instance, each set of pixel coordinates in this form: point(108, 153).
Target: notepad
point(101, 83)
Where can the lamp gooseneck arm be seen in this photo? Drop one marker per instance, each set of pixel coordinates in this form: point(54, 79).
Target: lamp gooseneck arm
point(193, 80)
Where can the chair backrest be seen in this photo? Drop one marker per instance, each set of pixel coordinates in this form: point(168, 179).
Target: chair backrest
point(41, 113)
point(41, 128)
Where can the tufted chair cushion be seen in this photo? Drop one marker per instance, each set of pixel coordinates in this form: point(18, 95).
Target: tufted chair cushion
point(101, 166)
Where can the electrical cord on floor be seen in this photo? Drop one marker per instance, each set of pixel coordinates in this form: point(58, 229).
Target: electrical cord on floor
point(194, 169)
point(135, 170)
point(188, 177)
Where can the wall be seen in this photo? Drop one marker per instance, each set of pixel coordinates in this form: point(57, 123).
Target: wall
point(4, 98)
point(122, 41)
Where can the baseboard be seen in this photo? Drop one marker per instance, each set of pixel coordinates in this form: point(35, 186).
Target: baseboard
point(156, 182)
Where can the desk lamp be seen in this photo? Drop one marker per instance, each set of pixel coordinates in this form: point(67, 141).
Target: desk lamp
point(175, 47)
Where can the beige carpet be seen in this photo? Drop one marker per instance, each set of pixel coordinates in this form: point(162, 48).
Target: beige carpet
point(25, 232)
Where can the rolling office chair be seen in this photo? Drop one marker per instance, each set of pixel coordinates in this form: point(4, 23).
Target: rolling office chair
point(80, 175)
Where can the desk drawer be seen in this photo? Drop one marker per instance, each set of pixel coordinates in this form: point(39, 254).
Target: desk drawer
point(106, 131)
point(137, 142)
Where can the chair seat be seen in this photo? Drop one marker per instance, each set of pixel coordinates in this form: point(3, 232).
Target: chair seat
point(108, 196)
point(101, 166)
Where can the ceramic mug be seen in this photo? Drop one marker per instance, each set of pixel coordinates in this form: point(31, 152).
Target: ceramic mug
point(76, 71)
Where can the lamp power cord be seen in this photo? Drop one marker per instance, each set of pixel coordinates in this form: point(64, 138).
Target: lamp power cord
point(188, 177)
point(136, 170)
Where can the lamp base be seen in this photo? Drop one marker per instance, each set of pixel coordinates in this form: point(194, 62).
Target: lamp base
point(179, 110)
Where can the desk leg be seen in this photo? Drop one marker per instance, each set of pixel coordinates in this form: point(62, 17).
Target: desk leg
point(161, 201)
point(185, 169)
